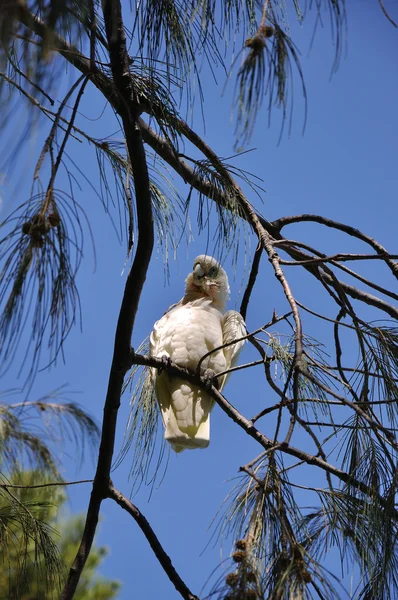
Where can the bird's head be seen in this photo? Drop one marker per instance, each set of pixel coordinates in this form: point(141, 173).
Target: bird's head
point(208, 278)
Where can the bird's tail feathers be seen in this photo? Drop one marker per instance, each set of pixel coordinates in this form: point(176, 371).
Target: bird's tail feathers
point(188, 438)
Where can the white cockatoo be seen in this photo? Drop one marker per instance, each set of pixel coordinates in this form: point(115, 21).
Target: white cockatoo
point(190, 329)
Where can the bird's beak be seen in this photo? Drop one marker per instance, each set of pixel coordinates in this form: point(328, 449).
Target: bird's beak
point(198, 272)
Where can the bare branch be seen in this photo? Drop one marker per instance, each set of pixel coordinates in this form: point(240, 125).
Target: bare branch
point(156, 546)
point(251, 282)
point(283, 221)
point(43, 485)
point(339, 257)
point(323, 258)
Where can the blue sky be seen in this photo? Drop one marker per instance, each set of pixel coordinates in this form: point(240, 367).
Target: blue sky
point(344, 167)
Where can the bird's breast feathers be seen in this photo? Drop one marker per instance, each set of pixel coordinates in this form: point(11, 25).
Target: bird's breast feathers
point(187, 332)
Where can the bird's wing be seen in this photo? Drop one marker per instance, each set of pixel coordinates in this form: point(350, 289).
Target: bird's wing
point(156, 349)
point(233, 328)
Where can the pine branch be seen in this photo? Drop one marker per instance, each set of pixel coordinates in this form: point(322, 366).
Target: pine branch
point(164, 148)
point(44, 485)
point(248, 426)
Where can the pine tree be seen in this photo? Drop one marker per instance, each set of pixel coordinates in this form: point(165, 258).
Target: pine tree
point(136, 57)
point(23, 563)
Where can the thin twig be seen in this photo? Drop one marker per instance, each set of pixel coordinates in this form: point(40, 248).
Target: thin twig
point(43, 485)
point(386, 13)
point(32, 83)
point(248, 336)
point(321, 257)
point(54, 171)
point(254, 363)
point(354, 405)
point(252, 475)
point(48, 143)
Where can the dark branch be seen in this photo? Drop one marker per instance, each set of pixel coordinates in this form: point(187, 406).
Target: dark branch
point(251, 282)
point(383, 8)
point(128, 109)
point(156, 546)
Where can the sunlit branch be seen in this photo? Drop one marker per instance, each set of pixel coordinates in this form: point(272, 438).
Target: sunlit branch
point(248, 426)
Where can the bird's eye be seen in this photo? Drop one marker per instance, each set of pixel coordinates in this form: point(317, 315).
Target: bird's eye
point(213, 272)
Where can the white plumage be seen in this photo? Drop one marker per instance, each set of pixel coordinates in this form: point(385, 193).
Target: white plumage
point(188, 331)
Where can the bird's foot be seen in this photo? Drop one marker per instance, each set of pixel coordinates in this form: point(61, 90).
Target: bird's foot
point(209, 378)
point(166, 363)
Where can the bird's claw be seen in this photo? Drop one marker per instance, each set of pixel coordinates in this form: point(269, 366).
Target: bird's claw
point(209, 378)
point(166, 363)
